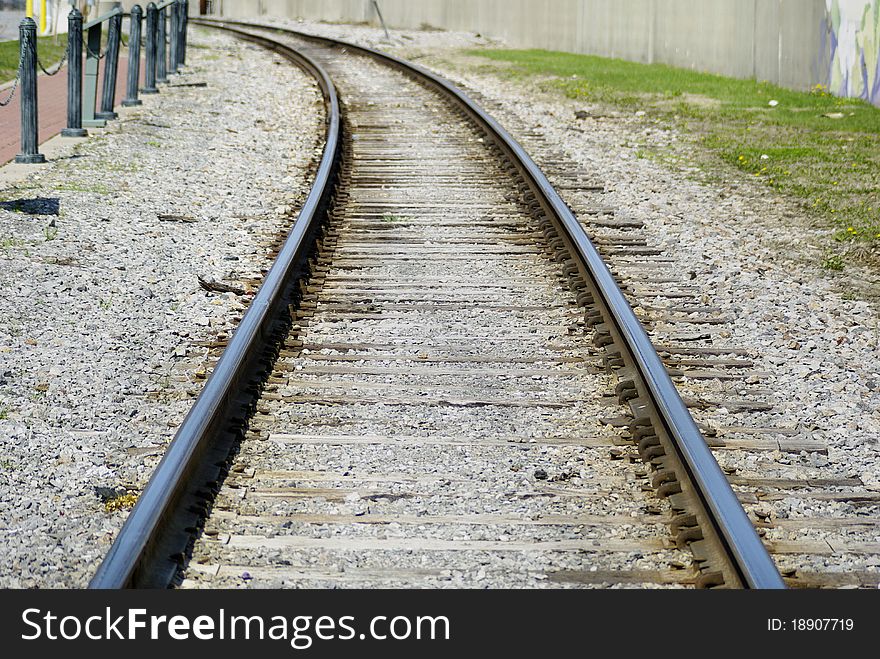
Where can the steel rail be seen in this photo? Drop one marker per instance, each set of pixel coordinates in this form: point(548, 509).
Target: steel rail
point(749, 560)
point(150, 547)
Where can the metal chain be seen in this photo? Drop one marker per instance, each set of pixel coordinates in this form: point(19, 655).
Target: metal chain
point(22, 49)
point(97, 55)
point(57, 68)
point(8, 100)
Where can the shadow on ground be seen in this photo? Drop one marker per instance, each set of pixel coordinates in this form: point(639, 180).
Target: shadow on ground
point(36, 206)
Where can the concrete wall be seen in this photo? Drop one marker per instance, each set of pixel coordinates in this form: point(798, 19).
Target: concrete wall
point(794, 43)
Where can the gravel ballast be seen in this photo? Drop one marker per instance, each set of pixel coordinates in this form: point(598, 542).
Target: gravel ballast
point(813, 336)
point(382, 457)
point(100, 326)
point(102, 310)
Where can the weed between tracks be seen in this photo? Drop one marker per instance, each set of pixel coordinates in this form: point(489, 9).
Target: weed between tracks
point(121, 502)
point(814, 148)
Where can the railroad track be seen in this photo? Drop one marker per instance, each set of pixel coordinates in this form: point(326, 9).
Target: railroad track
point(422, 391)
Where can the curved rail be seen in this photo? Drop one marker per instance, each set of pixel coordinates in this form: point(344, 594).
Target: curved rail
point(133, 561)
point(150, 546)
point(750, 564)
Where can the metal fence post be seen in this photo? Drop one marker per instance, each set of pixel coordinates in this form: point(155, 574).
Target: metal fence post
point(27, 35)
point(174, 16)
point(150, 39)
point(179, 9)
point(184, 24)
point(161, 69)
point(74, 76)
point(134, 58)
point(111, 67)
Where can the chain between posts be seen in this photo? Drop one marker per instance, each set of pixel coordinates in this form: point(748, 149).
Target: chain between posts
point(21, 50)
point(99, 56)
point(9, 98)
point(57, 68)
point(94, 54)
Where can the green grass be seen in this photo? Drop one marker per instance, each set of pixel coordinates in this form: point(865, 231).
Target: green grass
point(832, 262)
point(831, 165)
point(50, 50)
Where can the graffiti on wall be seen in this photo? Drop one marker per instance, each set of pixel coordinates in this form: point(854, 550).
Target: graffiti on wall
point(853, 32)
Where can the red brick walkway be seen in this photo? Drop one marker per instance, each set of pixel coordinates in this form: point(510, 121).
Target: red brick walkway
point(51, 108)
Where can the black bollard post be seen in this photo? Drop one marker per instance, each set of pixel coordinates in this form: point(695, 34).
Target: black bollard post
point(74, 75)
point(111, 67)
point(134, 58)
point(151, 36)
point(184, 24)
point(162, 34)
point(27, 35)
point(174, 17)
point(179, 9)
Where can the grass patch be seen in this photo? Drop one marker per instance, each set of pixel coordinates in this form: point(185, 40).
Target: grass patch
point(818, 149)
point(50, 50)
point(833, 262)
